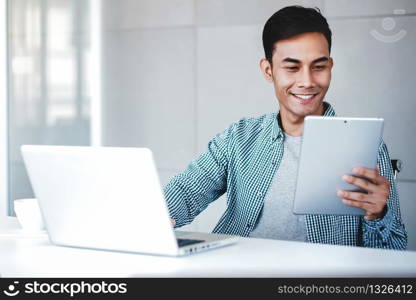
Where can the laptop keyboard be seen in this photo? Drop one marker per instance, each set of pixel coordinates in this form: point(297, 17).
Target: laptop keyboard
point(187, 242)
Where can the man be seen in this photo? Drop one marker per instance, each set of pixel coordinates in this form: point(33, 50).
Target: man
point(255, 160)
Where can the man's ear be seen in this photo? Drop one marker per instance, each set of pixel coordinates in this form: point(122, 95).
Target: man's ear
point(266, 69)
point(331, 61)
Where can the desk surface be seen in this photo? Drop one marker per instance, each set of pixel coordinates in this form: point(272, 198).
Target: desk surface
point(23, 255)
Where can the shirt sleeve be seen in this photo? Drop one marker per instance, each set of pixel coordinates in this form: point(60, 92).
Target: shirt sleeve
point(389, 231)
point(204, 180)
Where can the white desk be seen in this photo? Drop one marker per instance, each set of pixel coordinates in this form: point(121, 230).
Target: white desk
point(33, 256)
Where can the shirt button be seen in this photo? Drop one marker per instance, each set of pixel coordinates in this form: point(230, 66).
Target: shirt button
point(273, 163)
point(382, 228)
point(259, 194)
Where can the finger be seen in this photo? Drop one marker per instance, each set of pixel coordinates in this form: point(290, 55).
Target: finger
point(359, 204)
point(371, 174)
point(173, 222)
point(355, 196)
point(360, 182)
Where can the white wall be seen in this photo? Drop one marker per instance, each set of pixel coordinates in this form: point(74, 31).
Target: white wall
point(178, 72)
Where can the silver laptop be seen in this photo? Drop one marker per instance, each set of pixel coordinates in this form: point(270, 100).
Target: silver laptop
point(108, 198)
point(331, 147)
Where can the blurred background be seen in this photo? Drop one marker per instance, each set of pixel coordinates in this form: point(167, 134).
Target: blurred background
point(170, 74)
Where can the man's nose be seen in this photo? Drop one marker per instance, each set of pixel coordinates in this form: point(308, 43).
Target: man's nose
point(305, 79)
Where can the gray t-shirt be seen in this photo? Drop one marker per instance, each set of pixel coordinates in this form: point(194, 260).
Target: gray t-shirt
point(276, 220)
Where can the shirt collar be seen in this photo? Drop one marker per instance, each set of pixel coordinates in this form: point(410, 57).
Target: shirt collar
point(277, 132)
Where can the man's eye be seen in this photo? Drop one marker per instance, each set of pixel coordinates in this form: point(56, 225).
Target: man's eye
point(291, 68)
point(319, 67)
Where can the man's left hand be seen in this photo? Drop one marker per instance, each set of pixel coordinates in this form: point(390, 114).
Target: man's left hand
point(376, 186)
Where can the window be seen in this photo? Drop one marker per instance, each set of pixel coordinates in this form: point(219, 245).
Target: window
point(50, 91)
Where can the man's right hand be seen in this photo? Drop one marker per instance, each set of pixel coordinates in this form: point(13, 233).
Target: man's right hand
point(173, 222)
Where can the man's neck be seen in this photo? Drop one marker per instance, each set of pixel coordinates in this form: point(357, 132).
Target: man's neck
point(293, 129)
point(293, 125)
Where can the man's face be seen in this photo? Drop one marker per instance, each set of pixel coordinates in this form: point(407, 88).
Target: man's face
point(301, 74)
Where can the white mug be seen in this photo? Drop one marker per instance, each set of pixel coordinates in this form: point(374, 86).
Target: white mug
point(28, 214)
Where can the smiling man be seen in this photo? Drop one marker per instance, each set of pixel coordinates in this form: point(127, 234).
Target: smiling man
point(255, 160)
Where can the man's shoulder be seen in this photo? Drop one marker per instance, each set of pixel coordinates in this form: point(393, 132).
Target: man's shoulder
point(250, 123)
point(251, 126)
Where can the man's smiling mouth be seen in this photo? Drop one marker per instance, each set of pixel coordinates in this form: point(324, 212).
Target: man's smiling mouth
point(305, 96)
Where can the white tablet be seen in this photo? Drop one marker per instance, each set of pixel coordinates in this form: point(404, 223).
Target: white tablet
point(331, 147)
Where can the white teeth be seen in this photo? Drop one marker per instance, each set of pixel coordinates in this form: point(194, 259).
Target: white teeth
point(304, 96)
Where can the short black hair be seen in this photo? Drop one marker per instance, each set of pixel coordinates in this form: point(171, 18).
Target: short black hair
point(291, 21)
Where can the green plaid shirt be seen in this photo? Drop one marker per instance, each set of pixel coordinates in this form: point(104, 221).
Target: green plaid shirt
point(242, 161)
